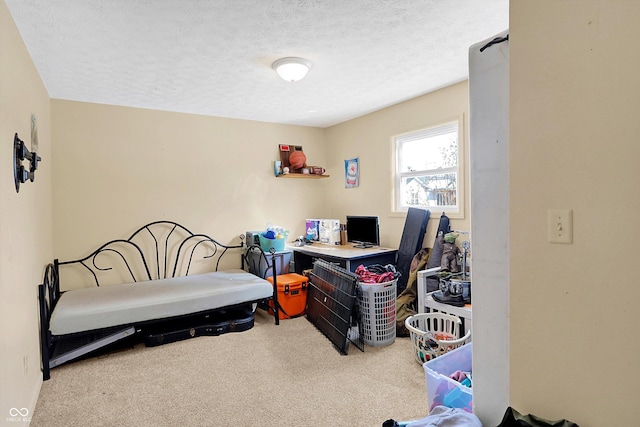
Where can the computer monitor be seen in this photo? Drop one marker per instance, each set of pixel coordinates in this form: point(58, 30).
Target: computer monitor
point(363, 231)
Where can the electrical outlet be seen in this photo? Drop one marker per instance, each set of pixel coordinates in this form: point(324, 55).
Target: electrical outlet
point(560, 226)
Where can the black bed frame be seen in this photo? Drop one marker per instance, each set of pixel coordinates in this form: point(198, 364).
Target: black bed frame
point(158, 250)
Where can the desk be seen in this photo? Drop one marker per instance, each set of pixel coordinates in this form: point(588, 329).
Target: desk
point(346, 256)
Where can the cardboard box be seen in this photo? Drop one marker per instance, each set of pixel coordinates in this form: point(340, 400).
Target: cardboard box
point(292, 295)
point(330, 231)
point(312, 229)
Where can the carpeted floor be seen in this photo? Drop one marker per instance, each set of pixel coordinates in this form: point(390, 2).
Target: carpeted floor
point(287, 375)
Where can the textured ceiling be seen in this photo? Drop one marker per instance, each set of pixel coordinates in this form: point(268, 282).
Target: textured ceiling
point(213, 57)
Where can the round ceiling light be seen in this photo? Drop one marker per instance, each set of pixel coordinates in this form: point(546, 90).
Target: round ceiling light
point(292, 69)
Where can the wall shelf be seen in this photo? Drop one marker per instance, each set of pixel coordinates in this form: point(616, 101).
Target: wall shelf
point(302, 175)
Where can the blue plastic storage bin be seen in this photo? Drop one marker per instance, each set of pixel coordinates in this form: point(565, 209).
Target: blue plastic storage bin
point(444, 391)
point(267, 244)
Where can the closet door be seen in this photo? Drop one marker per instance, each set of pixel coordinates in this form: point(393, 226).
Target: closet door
point(489, 180)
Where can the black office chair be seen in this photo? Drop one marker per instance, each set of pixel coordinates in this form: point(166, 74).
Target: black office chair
point(415, 226)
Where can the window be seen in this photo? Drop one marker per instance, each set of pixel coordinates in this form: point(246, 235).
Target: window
point(428, 169)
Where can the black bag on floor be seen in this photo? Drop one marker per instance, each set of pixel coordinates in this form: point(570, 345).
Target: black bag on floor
point(513, 418)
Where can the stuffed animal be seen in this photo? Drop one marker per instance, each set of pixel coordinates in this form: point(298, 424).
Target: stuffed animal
point(450, 252)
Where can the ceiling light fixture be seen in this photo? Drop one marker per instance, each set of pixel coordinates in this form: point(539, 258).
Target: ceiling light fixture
point(292, 69)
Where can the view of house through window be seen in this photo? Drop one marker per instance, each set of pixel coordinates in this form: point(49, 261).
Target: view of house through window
point(427, 173)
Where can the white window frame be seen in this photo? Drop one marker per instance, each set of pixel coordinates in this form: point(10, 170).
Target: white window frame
point(456, 211)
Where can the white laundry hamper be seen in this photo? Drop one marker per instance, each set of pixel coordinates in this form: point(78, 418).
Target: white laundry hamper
point(434, 334)
point(377, 304)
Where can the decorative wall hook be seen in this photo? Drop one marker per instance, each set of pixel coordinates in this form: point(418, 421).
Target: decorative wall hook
point(20, 153)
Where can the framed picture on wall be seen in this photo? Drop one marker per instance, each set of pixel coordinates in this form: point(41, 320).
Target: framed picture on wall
point(351, 173)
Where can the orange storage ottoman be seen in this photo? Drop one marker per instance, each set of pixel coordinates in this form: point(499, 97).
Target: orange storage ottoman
point(292, 295)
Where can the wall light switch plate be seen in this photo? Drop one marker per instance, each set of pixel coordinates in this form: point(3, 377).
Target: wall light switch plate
point(560, 226)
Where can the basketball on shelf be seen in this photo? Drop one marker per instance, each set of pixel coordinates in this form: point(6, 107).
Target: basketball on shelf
point(297, 159)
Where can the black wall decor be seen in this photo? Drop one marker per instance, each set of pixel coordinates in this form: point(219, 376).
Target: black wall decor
point(20, 153)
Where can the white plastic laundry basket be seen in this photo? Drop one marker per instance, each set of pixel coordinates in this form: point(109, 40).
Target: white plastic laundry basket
point(377, 305)
point(434, 334)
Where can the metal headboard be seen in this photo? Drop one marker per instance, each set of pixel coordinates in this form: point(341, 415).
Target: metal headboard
point(162, 248)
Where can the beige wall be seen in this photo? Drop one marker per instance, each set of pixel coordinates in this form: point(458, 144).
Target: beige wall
point(118, 168)
point(369, 139)
point(25, 223)
point(574, 144)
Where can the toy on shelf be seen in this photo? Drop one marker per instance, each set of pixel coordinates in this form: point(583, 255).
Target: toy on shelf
point(450, 252)
point(293, 163)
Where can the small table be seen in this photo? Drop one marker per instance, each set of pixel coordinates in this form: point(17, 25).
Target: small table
point(345, 256)
point(427, 304)
point(464, 313)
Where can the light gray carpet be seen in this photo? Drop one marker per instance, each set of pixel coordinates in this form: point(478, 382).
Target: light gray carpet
point(287, 375)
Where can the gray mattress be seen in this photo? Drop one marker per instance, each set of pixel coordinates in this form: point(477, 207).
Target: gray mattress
point(101, 307)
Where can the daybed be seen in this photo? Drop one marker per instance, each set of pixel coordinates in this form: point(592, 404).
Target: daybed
point(156, 285)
